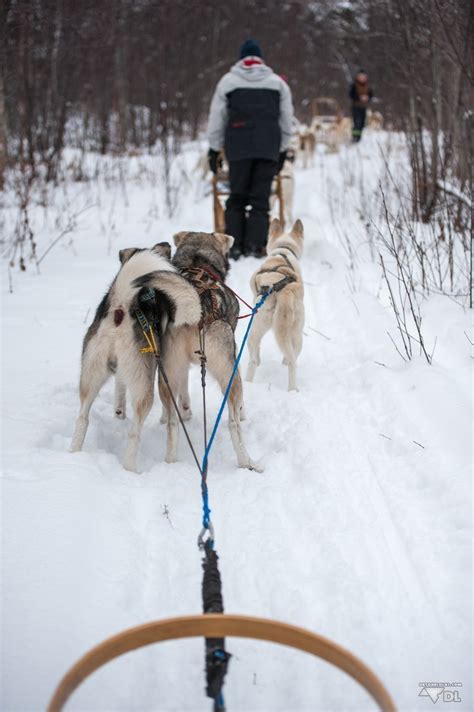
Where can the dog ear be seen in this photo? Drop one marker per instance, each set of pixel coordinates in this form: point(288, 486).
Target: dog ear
point(124, 255)
point(298, 230)
point(163, 249)
point(275, 229)
point(179, 237)
point(225, 241)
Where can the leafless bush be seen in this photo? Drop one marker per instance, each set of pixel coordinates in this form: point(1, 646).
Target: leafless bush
point(23, 246)
point(109, 74)
point(405, 305)
point(415, 267)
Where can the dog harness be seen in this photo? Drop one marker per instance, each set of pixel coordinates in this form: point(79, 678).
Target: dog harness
point(209, 288)
point(286, 278)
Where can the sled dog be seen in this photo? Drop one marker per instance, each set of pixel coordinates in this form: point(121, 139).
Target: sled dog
point(345, 130)
point(202, 259)
point(146, 281)
point(374, 120)
point(284, 309)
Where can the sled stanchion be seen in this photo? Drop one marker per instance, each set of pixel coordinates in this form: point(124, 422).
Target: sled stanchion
point(218, 625)
point(219, 213)
point(281, 205)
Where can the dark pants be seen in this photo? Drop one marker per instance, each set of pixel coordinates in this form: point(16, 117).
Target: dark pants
point(358, 118)
point(246, 215)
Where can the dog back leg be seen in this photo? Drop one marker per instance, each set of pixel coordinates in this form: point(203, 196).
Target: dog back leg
point(283, 325)
point(261, 324)
point(184, 399)
point(141, 391)
point(94, 373)
point(120, 402)
point(298, 329)
point(172, 365)
point(220, 351)
point(184, 403)
point(235, 403)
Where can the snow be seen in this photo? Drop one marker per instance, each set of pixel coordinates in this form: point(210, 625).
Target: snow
point(359, 528)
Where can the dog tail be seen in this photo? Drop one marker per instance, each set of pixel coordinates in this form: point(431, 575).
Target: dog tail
point(185, 305)
point(283, 319)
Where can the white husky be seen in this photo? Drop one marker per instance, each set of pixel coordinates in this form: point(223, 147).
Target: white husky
point(284, 309)
point(147, 282)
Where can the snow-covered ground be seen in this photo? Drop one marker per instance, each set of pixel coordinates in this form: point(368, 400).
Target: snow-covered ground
point(358, 529)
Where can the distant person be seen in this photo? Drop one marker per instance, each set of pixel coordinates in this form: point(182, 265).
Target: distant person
point(361, 95)
point(250, 118)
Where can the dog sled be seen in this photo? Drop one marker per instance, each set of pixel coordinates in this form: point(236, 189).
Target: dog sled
point(221, 191)
point(326, 110)
point(328, 123)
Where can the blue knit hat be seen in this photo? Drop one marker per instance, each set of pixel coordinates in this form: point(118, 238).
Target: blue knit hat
point(250, 48)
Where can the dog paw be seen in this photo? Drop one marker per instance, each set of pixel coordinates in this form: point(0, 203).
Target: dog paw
point(253, 466)
point(130, 466)
point(186, 414)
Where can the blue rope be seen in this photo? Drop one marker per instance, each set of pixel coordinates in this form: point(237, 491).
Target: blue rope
point(205, 495)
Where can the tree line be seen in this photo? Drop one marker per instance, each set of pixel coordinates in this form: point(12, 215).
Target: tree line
point(108, 75)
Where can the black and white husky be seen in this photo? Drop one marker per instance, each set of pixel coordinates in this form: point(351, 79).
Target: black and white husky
point(149, 282)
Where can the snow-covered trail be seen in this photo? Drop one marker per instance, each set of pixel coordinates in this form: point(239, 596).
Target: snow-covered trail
point(357, 529)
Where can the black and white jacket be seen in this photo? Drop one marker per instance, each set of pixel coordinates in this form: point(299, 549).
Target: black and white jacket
point(251, 112)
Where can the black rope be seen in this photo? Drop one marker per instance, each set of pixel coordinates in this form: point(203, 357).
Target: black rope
point(145, 325)
point(217, 658)
point(204, 490)
point(203, 360)
point(175, 405)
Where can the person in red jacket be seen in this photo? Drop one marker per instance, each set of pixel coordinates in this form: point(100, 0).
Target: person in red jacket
point(361, 95)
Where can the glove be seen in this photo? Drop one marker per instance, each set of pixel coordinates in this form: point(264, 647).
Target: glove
point(281, 160)
point(213, 159)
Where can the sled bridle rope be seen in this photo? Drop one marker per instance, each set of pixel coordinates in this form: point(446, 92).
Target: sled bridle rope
point(254, 311)
point(214, 625)
point(217, 657)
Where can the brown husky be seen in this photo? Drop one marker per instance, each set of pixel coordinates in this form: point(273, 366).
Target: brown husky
point(202, 258)
point(284, 308)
